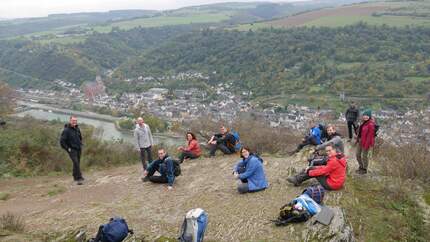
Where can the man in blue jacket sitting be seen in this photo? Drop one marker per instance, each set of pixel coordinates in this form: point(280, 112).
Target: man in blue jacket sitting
point(313, 138)
point(164, 166)
point(250, 171)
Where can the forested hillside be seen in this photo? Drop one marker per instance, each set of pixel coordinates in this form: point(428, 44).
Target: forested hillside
point(360, 60)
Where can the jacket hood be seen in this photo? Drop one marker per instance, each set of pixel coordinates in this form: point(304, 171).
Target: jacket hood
point(341, 159)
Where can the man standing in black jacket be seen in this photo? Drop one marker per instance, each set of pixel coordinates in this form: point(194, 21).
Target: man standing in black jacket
point(351, 116)
point(71, 141)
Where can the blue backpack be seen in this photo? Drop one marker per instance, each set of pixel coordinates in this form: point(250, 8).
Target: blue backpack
point(316, 192)
point(194, 226)
point(307, 203)
point(114, 231)
point(236, 136)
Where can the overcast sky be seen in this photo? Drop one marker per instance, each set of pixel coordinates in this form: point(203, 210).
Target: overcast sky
point(38, 8)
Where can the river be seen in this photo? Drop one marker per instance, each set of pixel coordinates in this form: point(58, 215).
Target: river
point(108, 131)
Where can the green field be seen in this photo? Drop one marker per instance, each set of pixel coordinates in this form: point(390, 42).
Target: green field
point(339, 21)
point(166, 20)
point(395, 13)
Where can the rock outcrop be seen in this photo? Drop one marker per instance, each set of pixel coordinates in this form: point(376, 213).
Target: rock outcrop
point(338, 230)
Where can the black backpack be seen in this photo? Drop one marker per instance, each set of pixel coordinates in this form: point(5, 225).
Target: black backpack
point(176, 168)
point(376, 129)
point(288, 214)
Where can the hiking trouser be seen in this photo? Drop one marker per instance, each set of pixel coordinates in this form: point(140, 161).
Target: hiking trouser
point(242, 187)
point(75, 156)
point(224, 149)
point(187, 155)
point(362, 156)
point(351, 124)
point(146, 150)
point(309, 140)
point(156, 179)
point(303, 176)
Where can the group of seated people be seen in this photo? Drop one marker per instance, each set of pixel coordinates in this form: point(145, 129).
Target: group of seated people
point(329, 169)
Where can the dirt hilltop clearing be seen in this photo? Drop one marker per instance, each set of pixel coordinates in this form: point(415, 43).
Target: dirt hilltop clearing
point(54, 204)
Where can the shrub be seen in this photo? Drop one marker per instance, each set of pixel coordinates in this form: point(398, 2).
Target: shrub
point(128, 124)
point(30, 147)
point(407, 162)
point(255, 133)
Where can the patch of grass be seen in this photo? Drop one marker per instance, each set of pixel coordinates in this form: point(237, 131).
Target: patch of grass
point(165, 21)
point(426, 197)
point(11, 222)
point(56, 190)
point(382, 211)
point(4, 196)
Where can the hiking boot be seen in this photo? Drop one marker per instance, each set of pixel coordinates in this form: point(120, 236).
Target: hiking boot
point(79, 182)
point(293, 180)
point(145, 179)
point(361, 171)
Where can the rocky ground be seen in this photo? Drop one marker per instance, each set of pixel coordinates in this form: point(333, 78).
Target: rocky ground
point(51, 206)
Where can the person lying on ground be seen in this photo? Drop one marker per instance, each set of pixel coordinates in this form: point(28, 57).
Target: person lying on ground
point(313, 138)
point(330, 176)
point(223, 141)
point(250, 172)
point(164, 166)
point(193, 150)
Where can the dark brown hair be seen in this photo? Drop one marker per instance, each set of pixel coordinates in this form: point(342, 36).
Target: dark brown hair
point(244, 148)
point(192, 135)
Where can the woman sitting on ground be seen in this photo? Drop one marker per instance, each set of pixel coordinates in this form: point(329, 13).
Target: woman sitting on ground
point(250, 172)
point(193, 150)
point(330, 176)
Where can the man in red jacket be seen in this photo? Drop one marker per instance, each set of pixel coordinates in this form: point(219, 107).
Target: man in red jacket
point(365, 141)
point(330, 176)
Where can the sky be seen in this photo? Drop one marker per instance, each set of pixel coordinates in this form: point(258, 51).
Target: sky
point(40, 8)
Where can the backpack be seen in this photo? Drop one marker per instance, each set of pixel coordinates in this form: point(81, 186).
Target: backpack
point(376, 129)
point(114, 231)
point(316, 192)
point(324, 134)
point(176, 168)
point(194, 226)
point(299, 210)
point(289, 213)
point(237, 144)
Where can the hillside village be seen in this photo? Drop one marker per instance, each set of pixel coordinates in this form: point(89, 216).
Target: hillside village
point(192, 103)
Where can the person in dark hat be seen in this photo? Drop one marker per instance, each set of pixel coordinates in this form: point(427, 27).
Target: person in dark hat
point(365, 141)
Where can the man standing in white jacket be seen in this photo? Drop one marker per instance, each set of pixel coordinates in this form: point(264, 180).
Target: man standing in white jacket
point(144, 141)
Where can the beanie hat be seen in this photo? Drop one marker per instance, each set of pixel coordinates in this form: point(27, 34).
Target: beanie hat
point(367, 112)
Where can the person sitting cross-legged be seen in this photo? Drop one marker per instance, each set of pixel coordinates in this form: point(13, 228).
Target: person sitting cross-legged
point(330, 176)
point(164, 165)
point(250, 172)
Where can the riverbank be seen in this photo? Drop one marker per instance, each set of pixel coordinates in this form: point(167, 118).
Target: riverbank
point(106, 125)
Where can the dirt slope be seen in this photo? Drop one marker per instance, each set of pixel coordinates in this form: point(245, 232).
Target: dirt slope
point(151, 210)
